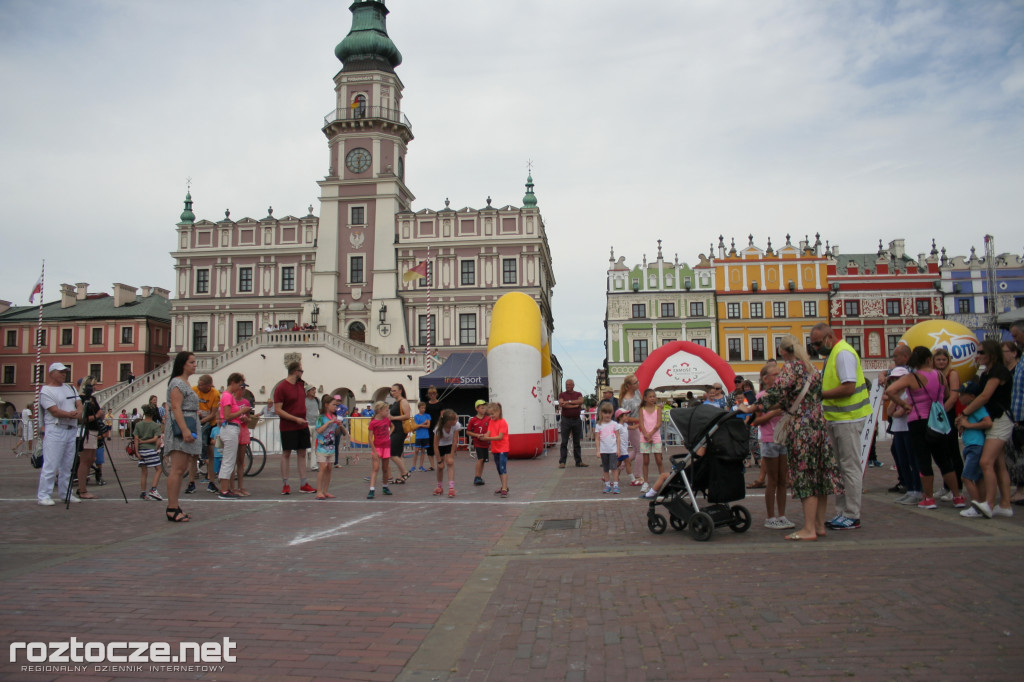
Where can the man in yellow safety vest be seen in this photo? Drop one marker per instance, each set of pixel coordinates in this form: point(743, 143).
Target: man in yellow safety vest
point(847, 404)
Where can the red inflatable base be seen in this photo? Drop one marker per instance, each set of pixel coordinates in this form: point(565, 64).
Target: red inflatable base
point(525, 445)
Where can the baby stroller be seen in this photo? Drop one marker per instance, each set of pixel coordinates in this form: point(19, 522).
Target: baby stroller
point(718, 474)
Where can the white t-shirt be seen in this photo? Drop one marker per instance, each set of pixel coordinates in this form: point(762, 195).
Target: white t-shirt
point(899, 424)
point(606, 437)
point(623, 440)
point(846, 366)
point(448, 435)
point(63, 398)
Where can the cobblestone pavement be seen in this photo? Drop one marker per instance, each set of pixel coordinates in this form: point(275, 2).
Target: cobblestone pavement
point(418, 587)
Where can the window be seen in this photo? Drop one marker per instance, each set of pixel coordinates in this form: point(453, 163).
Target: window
point(700, 342)
point(779, 309)
point(202, 281)
point(639, 310)
point(359, 106)
point(639, 350)
point(245, 279)
point(1018, 301)
point(894, 340)
point(852, 308)
point(12, 338)
point(41, 337)
point(810, 308)
point(855, 342)
point(892, 307)
point(963, 305)
point(97, 336)
point(422, 330)
point(355, 269)
point(243, 331)
point(199, 337)
point(124, 371)
point(37, 374)
point(8, 374)
point(288, 278)
point(467, 329)
point(126, 334)
point(428, 280)
point(668, 309)
point(757, 309)
point(697, 309)
point(65, 336)
point(288, 324)
point(358, 215)
point(508, 271)
point(735, 349)
point(757, 349)
point(923, 306)
point(468, 272)
point(667, 341)
point(732, 311)
point(96, 371)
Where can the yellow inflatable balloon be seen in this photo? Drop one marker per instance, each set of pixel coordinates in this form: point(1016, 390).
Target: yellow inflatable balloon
point(960, 341)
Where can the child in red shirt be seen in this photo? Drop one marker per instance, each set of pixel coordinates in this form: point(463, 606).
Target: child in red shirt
point(497, 434)
point(477, 426)
point(380, 428)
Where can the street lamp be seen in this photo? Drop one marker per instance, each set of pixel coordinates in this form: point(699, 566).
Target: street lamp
point(314, 314)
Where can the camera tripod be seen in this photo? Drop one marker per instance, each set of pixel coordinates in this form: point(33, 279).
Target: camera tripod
point(101, 441)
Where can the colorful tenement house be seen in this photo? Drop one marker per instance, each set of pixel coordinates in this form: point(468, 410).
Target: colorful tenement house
point(763, 295)
point(108, 337)
point(652, 304)
point(965, 290)
point(876, 297)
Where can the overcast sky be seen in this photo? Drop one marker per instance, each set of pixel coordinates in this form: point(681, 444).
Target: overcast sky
point(649, 119)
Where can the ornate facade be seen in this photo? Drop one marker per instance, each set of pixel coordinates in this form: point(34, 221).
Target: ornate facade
point(964, 281)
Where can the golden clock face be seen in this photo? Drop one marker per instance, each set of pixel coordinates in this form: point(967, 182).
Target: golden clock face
point(358, 160)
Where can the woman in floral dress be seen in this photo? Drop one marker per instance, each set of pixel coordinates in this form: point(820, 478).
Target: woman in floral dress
point(813, 470)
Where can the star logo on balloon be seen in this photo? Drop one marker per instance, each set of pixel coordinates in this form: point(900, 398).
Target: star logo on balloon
point(943, 338)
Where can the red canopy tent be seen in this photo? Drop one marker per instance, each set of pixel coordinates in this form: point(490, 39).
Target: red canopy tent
point(684, 364)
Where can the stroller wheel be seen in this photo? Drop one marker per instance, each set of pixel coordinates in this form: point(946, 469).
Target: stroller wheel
point(740, 519)
point(677, 523)
point(656, 523)
point(701, 526)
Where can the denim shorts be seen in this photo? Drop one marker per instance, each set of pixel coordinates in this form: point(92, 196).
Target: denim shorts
point(972, 463)
point(772, 449)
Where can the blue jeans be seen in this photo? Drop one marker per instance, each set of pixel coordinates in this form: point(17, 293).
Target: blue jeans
point(501, 462)
point(906, 464)
point(571, 426)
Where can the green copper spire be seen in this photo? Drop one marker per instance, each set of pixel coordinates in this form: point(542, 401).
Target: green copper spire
point(367, 46)
point(530, 200)
point(187, 216)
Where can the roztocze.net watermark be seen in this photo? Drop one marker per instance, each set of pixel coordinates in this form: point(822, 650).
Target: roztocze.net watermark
point(122, 656)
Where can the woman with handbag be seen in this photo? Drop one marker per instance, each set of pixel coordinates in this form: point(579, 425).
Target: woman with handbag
point(180, 426)
point(926, 414)
point(813, 469)
point(400, 412)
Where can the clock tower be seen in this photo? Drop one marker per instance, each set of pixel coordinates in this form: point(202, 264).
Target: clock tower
point(355, 278)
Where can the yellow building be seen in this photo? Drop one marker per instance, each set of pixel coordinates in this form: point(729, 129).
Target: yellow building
point(761, 295)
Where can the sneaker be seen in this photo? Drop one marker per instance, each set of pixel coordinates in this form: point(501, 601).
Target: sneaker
point(451, 493)
point(191, 488)
point(286, 489)
point(645, 487)
point(504, 493)
point(898, 489)
point(369, 495)
point(944, 495)
point(478, 481)
point(772, 523)
point(840, 522)
point(911, 498)
point(438, 490)
point(46, 502)
point(307, 488)
point(983, 508)
point(971, 513)
point(959, 502)
point(607, 488)
point(212, 488)
point(385, 490)
point(784, 523)
point(615, 489)
point(561, 465)
point(582, 464)
point(154, 494)
point(144, 495)
point(1002, 511)
point(650, 494)
point(75, 500)
point(228, 495)
point(423, 469)
point(927, 503)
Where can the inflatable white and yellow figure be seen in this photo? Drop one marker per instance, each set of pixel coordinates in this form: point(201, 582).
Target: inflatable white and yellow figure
point(514, 371)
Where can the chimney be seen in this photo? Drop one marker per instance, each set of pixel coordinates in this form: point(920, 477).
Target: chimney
point(896, 248)
point(146, 291)
point(67, 295)
point(5, 306)
point(162, 293)
point(83, 290)
point(123, 294)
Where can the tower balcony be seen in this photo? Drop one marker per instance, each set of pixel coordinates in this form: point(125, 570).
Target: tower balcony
point(367, 117)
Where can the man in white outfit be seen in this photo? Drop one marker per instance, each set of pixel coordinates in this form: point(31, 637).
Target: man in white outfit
point(61, 409)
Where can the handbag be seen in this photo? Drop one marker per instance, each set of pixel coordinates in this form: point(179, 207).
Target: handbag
point(784, 427)
point(190, 422)
point(409, 425)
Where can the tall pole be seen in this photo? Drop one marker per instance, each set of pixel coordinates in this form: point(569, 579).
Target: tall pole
point(37, 378)
point(430, 285)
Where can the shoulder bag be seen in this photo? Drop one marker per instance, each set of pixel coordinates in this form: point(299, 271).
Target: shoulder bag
point(784, 428)
point(938, 421)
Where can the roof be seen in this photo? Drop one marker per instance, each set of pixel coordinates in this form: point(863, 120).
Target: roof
point(869, 261)
point(94, 307)
point(460, 370)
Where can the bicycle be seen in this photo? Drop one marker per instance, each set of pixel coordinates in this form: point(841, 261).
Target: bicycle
point(255, 457)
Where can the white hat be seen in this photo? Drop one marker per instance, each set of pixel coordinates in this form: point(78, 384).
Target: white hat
point(57, 367)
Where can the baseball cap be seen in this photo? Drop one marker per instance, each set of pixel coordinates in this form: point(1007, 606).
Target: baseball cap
point(971, 388)
point(57, 367)
point(621, 411)
point(479, 403)
point(738, 379)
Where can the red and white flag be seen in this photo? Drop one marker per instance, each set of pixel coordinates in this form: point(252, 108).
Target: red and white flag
point(416, 272)
point(37, 289)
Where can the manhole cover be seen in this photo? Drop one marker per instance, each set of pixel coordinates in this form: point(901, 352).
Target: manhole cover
point(556, 524)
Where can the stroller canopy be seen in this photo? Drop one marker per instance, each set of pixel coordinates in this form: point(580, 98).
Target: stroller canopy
point(730, 439)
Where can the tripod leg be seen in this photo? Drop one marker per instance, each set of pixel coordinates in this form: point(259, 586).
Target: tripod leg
point(110, 458)
point(71, 479)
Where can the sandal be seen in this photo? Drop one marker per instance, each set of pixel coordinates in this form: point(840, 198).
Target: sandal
point(755, 485)
point(86, 495)
point(397, 481)
point(176, 515)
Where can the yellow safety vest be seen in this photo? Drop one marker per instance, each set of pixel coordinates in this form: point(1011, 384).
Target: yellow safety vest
point(852, 407)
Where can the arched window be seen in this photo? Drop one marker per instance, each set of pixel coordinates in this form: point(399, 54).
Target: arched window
point(357, 332)
point(359, 106)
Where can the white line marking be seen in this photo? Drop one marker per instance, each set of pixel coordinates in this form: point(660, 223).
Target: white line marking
point(337, 530)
